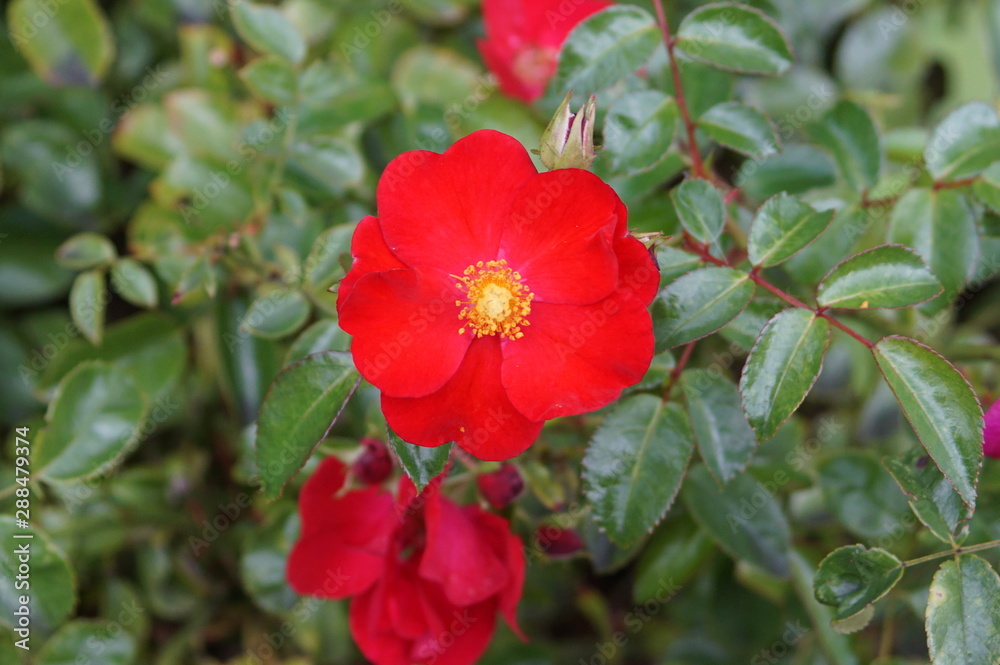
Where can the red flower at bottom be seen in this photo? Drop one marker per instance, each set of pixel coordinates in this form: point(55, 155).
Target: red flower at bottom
point(427, 576)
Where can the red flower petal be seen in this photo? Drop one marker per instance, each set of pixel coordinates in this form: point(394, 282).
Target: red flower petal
point(559, 237)
point(405, 326)
point(458, 557)
point(497, 531)
point(447, 211)
point(370, 255)
point(499, 61)
point(991, 441)
point(637, 269)
point(472, 409)
point(590, 354)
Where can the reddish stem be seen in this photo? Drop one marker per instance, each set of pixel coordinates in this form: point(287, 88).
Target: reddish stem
point(956, 184)
point(678, 369)
point(675, 72)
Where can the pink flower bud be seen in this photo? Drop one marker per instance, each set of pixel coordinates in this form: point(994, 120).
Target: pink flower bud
point(557, 542)
point(991, 444)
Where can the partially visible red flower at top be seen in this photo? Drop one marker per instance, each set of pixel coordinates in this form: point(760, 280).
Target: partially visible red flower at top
point(427, 577)
point(487, 298)
point(991, 443)
point(523, 38)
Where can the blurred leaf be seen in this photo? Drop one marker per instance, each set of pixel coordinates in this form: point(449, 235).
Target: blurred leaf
point(850, 135)
point(783, 226)
point(964, 143)
point(670, 559)
point(725, 441)
point(862, 495)
point(638, 130)
point(700, 209)
point(323, 267)
point(796, 169)
point(699, 303)
point(87, 300)
point(811, 264)
point(987, 189)
point(88, 640)
point(851, 578)
point(421, 463)
point(324, 335)
point(272, 79)
point(743, 517)
point(941, 407)
point(741, 128)
point(634, 465)
point(29, 272)
point(267, 30)
point(143, 136)
point(94, 420)
point(249, 363)
point(277, 314)
point(963, 613)
point(300, 407)
point(932, 498)
point(735, 37)
point(605, 48)
point(263, 560)
point(86, 250)
point(66, 42)
point(134, 283)
point(782, 368)
point(435, 75)
point(325, 166)
point(744, 330)
point(885, 276)
point(53, 585)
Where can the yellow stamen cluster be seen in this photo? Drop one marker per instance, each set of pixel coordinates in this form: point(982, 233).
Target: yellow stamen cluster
point(498, 302)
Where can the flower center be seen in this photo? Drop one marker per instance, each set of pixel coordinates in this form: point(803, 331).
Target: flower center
point(498, 302)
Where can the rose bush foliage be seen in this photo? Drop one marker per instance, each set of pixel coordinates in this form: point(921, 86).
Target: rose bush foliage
point(311, 357)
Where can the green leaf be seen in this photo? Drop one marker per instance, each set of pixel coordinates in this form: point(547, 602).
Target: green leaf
point(87, 300)
point(604, 48)
point(931, 497)
point(277, 314)
point(67, 43)
point(964, 143)
point(53, 586)
point(324, 335)
point(784, 226)
point(268, 31)
point(264, 558)
point(699, 303)
point(94, 420)
point(782, 368)
point(941, 227)
point(851, 578)
point(725, 441)
point(638, 130)
point(987, 188)
point(741, 128)
point(963, 613)
point(670, 558)
point(796, 169)
point(700, 208)
point(86, 250)
point(635, 464)
point(271, 79)
point(940, 405)
point(861, 494)
point(743, 517)
point(421, 463)
point(301, 405)
point(88, 641)
point(29, 272)
point(134, 282)
point(850, 135)
point(887, 276)
point(735, 37)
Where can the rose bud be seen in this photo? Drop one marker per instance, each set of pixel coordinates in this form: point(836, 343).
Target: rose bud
point(991, 442)
point(557, 542)
point(501, 487)
point(374, 464)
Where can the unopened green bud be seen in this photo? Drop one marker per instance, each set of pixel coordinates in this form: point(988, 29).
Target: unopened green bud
point(568, 141)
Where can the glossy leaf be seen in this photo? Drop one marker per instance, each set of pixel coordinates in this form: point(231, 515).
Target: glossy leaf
point(725, 441)
point(941, 407)
point(861, 494)
point(604, 48)
point(638, 130)
point(53, 586)
point(68, 43)
point(299, 409)
point(422, 464)
point(735, 37)
point(277, 314)
point(670, 558)
point(95, 419)
point(784, 226)
point(782, 368)
point(87, 301)
point(885, 276)
point(743, 517)
point(88, 640)
point(963, 613)
point(634, 465)
point(134, 282)
point(267, 30)
point(86, 250)
point(964, 143)
point(931, 497)
point(850, 135)
point(851, 578)
point(699, 303)
point(741, 128)
point(700, 208)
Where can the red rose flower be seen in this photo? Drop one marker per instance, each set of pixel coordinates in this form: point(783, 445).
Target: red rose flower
point(991, 441)
point(523, 39)
point(487, 298)
point(427, 576)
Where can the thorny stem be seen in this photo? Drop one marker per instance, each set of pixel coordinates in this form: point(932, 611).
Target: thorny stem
point(675, 72)
point(952, 552)
point(678, 369)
